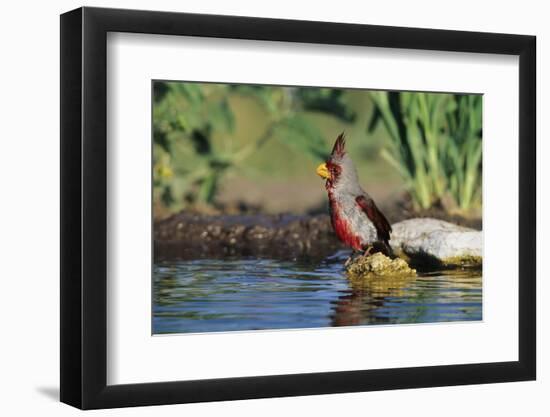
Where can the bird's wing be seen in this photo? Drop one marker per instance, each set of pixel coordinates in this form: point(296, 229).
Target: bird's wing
point(380, 222)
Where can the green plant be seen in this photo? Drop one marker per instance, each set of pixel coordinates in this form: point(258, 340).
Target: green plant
point(187, 116)
point(182, 133)
point(435, 144)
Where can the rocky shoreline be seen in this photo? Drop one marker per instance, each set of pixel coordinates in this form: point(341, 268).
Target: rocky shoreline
point(421, 241)
point(189, 236)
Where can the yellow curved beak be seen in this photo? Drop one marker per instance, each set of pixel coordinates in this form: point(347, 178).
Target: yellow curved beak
point(322, 171)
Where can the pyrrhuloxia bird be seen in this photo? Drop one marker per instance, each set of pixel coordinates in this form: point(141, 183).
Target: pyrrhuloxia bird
point(356, 220)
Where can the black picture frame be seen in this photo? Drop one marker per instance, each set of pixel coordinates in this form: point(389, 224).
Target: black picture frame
point(84, 207)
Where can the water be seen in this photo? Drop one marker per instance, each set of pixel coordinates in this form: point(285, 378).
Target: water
point(213, 295)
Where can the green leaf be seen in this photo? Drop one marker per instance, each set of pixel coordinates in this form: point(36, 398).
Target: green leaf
point(208, 187)
point(376, 117)
point(329, 101)
point(221, 116)
point(299, 133)
point(265, 95)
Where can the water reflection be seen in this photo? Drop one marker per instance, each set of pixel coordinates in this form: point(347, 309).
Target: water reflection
point(427, 298)
point(222, 295)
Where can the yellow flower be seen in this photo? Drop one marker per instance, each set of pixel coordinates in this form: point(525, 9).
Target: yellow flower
point(165, 171)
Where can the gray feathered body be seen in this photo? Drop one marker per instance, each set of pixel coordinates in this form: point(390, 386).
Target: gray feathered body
point(355, 218)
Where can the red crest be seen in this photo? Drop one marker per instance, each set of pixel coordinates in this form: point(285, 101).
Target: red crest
point(339, 146)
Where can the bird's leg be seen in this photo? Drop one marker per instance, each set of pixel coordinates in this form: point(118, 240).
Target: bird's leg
point(367, 251)
point(355, 254)
point(352, 257)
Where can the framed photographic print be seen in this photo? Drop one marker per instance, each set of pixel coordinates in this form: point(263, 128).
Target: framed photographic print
point(258, 207)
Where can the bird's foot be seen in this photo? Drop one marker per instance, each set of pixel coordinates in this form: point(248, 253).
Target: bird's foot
point(352, 258)
point(358, 254)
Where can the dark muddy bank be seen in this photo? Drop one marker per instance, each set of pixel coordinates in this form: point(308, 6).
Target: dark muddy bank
point(189, 236)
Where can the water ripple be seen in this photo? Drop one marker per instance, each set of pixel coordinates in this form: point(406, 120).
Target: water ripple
point(207, 295)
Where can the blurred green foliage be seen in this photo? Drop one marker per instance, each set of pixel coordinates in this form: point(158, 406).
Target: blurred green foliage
point(202, 135)
point(186, 116)
point(435, 144)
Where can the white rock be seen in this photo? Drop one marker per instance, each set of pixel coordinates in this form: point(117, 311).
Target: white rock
point(432, 238)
